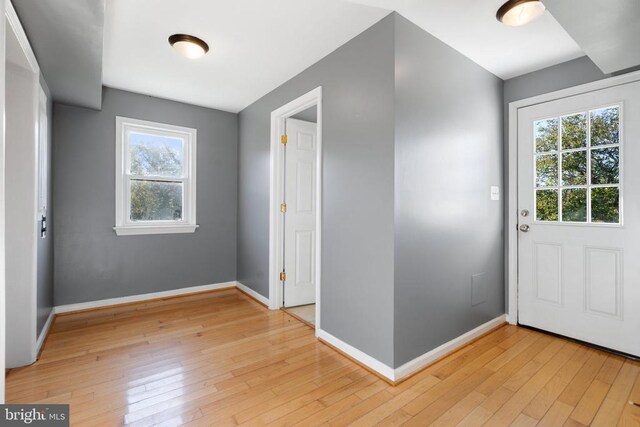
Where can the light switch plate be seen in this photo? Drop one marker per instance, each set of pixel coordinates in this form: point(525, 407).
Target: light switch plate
point(495, 192)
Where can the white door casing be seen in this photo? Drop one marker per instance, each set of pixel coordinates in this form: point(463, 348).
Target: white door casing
point(276, 190)
point(300, 218)
point(581, 279)
point(2, 205)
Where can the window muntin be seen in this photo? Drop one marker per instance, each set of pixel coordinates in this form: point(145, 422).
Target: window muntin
point(577, 167)
point(155, 177)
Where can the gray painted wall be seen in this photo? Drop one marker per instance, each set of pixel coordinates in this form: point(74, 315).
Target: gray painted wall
point(45, 246)
point(448, 153)
point(561, 76)
point(357, 258)
point(308, 115)
point(608, 32)
point(72, 64)
point(91, 262)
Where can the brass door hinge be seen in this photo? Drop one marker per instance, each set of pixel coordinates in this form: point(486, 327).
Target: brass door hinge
point(283, 276)
point(283, 207)
point(284, 139)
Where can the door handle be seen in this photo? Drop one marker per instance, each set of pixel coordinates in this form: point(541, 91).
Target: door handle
point(525, 228)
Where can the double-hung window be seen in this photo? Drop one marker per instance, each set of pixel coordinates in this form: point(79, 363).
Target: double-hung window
point(155, 178)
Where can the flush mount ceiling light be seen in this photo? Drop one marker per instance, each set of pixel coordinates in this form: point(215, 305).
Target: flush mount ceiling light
point(188, 46)
point(516, 13)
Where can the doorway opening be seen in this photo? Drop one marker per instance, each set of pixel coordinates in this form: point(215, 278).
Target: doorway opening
point(296, 207)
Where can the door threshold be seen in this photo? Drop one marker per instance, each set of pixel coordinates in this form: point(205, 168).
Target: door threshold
point(293, 314)
point(585, 343)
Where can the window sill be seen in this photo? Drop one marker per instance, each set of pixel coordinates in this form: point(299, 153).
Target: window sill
point(133, 230)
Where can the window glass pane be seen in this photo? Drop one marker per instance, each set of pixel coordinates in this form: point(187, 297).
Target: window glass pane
point(547, 205)
point(574, 131)
point(156, 200)
point(547, 170)
point(605, 166)
point(154, 155)
point(605, 204)
point(605, 126)
point(546, 132)
point(574, 168)
point(574, 205)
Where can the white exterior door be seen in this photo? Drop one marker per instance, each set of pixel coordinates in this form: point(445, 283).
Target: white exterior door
point(300, 218)
point(579, 217)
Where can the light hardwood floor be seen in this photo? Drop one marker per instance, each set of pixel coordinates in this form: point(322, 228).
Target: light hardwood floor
point(222, 359)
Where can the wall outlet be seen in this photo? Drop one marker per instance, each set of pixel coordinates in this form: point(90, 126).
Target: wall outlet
point(495, 192)
point(478, 288)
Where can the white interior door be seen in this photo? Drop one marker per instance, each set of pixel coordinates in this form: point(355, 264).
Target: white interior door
point(300, 217)
point(579, 217)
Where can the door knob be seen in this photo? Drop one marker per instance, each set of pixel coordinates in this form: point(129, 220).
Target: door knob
point(524, 228)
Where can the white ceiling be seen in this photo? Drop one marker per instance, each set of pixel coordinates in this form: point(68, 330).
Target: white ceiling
point(256, 45)
point(470, 27)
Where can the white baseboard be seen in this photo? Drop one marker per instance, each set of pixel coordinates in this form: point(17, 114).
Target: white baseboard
point(45, 330)
point(449, 347)
point(142, 297)
point(419, 362)
point(264, 300)
point(362, 357)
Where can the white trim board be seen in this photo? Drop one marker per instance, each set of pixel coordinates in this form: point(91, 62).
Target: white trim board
point(12, 24)
point(45, 330)
point(430, 357)
point(512, 174)
point(247, 290)
point(68, 308)
point(278, 117)
point(362, 357)
point(420, 362)
point(16, 26)
point(2, 208)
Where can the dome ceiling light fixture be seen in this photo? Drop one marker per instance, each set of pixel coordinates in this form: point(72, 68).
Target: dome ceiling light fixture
point(516, 13)
point(188, 46)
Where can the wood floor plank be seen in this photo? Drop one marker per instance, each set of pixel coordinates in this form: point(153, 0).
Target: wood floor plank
point(516, 404)
point(222, 359)
point(617, 398)
point(477, 417)
point(590, 402)
point(557, 414)
point(574, 391)
point(545, 399)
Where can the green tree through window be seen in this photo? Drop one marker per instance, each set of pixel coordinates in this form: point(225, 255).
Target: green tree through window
point(577, 167)
point(158, 198)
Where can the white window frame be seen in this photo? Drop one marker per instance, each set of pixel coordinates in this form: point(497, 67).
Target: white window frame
point(124, 226)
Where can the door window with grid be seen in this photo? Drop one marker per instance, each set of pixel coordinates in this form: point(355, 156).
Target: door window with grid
point(578, 167)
